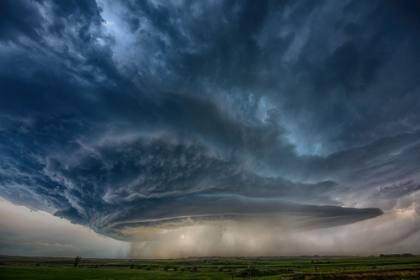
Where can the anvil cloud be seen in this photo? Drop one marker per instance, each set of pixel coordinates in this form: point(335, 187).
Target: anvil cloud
point(137, 117)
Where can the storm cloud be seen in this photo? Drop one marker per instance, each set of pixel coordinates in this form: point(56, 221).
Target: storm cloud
point(129, 117)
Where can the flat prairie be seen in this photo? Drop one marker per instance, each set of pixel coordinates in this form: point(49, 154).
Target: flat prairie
point(310, 268)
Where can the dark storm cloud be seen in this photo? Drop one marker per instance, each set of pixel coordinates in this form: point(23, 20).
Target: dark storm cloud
point(126, 176)
point(301, 56)
point(116, 114)
point(385, 170)
point(13, 24)
point(122, 178)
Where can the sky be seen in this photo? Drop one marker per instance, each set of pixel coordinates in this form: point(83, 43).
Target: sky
point(163, 129)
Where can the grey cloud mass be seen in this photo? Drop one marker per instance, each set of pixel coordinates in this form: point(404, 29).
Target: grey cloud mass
point(119, 115)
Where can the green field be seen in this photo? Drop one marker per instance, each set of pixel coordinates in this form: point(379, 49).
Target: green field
point(212, 268)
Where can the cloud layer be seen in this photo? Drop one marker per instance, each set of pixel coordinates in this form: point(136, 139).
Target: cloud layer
point(150, 114)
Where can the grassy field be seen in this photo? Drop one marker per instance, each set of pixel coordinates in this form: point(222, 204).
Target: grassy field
point(220, 268)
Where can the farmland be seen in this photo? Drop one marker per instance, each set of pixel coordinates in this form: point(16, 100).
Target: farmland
point(213, 268)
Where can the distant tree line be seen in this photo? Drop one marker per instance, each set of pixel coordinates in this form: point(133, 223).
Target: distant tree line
point(396, 255)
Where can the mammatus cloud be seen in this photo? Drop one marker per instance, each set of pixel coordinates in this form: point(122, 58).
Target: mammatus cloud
point(149, 117)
